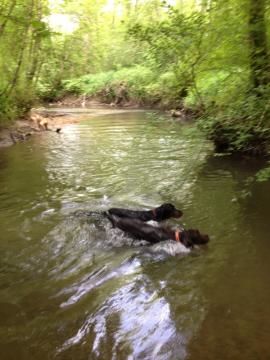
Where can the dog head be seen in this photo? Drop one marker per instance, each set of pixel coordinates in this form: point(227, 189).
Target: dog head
point(194, 237)
point(166, 211)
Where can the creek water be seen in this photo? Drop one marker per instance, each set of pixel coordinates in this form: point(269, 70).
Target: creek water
point(71, 287)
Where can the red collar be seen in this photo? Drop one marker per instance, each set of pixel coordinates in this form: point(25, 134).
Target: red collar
point(177, 236)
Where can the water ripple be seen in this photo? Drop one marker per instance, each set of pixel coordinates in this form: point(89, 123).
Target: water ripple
point(74, 284)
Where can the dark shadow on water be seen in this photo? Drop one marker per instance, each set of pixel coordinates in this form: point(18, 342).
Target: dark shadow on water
point(236, 323)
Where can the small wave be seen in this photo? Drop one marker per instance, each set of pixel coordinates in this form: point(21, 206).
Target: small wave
point(118, 238)
point(98, 278)
point(170, 247)
point(145, 323)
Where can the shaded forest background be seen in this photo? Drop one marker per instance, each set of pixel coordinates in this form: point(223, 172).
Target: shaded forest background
point(208, 57)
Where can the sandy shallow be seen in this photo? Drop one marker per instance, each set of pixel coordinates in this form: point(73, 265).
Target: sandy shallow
point(57, 117)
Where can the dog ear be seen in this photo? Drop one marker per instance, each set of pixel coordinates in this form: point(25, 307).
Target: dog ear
point(160, 213)
point(186, 239)
point(164, 211)
point(189, 242)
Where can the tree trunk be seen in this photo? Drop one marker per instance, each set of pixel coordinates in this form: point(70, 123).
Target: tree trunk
point(35, 44)
point(9, 88)
point(7, 17)
point(259, 63)
point(23, 46)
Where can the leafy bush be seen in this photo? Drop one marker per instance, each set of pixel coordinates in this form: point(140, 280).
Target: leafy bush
point(18, 105)
point(88, 84)
point(144, 85)
point(263, 175)
point(242, 128)
point(221, 88)
point(137, 80)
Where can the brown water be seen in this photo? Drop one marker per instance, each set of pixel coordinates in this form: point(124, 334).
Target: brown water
point(73, 288)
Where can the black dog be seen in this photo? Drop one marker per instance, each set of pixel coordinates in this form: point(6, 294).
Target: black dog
point(152, 234)
point(163, 212)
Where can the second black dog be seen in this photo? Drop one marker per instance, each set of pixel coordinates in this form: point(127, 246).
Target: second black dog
point(152, 234)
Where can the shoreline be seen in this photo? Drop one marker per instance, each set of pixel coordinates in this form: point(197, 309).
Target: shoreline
point(56, 117)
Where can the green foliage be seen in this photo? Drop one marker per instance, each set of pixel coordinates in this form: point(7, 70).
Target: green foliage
point(173, 47)
point(8, 111)
point(243, 127)
point(263, 175)
point(89, 84)
point(137, 81)
point(223, 89)
point(23, 32)
point(210, 56)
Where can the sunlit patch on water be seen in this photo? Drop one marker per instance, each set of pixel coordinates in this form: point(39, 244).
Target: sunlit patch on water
point(143, 325)
point(98, 278)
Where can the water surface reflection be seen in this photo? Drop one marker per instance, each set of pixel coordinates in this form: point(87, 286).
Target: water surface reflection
point(72, 287)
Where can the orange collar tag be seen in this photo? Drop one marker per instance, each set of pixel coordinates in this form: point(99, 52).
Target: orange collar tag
point(177, 236)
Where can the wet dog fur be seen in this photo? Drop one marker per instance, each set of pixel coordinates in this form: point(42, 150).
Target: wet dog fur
point(160, 213)
point(142, 231)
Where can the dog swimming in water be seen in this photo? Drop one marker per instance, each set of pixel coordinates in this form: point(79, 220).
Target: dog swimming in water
point(143, 231)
